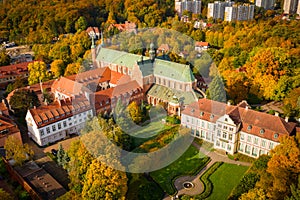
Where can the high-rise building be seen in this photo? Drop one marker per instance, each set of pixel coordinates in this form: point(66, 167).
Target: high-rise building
point(193, 6)
point(216, 10)
point(266, 4)
point(290, 6)
point(239, 12)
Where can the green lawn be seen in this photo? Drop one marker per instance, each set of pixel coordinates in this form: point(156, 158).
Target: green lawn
point(188, 164)
point(225, 179)
point(144, 133)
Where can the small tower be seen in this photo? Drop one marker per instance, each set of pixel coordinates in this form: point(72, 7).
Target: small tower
point(152, 52)
point(93, 51)
point(102, 40)
point(174, 106)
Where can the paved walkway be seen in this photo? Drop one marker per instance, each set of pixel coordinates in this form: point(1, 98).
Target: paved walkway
point(198, 185)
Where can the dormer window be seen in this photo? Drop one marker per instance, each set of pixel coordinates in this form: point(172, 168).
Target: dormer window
point(276, 135)
point(193, 110)
point(212, 116)
point(262, 131)
point(249, 127)
point(201, 113)
point(226, 120)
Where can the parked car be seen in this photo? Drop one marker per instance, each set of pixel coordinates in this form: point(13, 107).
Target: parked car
point(54, 152)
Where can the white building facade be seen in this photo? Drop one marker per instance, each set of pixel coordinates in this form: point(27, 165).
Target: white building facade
point(266, 4)
point(235, 128)
point(48, 125)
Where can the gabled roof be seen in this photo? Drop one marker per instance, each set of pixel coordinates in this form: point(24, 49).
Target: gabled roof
point(207, 109)
point(120, 58)
point(16, 69)
point(67, 86)
point(253, 122)
point(173, 70)
point(59, 110)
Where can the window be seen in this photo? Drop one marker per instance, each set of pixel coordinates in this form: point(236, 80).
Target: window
point(80, 120)
point(225, 127)
point(241, 147)
point(231, 129)
point(224, 135)
point(219, 133)
point(263, 143)
point(219, 126)
point(255, 140)
point(48, 130)
point(203, 124)
point(271, 146)
point(201, 113)
point(242, 136)
point(79, 115)
point(254, 152)
point(228, 147)
point(69, 119)
point(249, 138)
point(275, 135)
point(226, 120)
point(218, 143)
point(208, 135)
point(202, 134)
point(262, 131)
point(248, 148)
point(208, 125)
point(65, 123)
point(59, 126)
point(249, 127)
point(197, 133)
point(223, 145)
point(230, 136)
point(53, 128)
point(42, 132)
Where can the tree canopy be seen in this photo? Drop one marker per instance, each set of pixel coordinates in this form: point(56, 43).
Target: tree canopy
point(14, 149)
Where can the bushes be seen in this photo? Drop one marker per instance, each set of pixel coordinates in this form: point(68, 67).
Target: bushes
point(206, 182)
point(248, 182)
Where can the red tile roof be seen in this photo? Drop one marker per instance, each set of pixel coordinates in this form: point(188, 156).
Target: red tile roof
point(201, 44)
point(16, 69)
point(211, 110)
point(7, 128)
point(59, 110)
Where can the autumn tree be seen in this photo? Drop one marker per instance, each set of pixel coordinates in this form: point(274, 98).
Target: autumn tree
point(104, 182)
point(19, 82)
point(38, 72)
point(135, 112)
point(73, 68)
point(284, 167)
point(57, 68)
point(4, 58)
point(5, 195)
point(80, 160)
point(14, 149)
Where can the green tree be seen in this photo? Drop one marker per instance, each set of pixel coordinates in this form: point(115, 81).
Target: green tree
point(5, 195)
point(38, 72)
point(22, 100)
point(81, 24)
point(4, 58)
point(217, 90)
point(14, 149)
point(103, 182)
point(60, 155)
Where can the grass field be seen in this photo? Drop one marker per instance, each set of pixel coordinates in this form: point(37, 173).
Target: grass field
point(225, 179)
point(188, 164)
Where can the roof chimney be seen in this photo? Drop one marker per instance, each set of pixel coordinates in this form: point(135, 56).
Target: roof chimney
point(276, 114)
point(287, 119)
